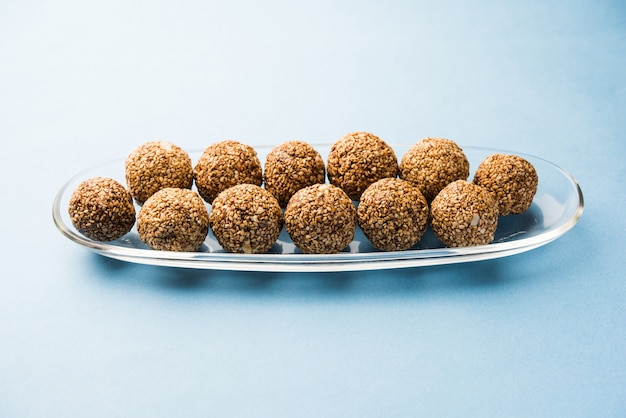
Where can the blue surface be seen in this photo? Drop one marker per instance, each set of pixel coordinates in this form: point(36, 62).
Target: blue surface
point(541, 334)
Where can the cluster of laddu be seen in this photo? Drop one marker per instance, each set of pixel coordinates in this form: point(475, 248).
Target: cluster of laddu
point(250, 203)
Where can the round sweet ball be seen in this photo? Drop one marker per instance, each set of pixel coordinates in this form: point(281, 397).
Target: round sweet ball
point(433, 163)
point(393, 214)
point(156, 165)
point(246, 219)
point(464, 214)
point(226, 164)
point(290, 167)
point(512, 179)
point(173, 220)
point(359, 159)
point(320, 219)
point(102, 209)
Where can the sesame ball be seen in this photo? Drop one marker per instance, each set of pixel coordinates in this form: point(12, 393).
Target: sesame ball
point(226, 164)
point(320, 219)
point(290, 167)
point(101, 209)
point(359, 159)
point(464, 214)
point(173, 220)
point(433, 163)
point(512, 179)
point(246, 219)
point(156, 165)
point(393, 214)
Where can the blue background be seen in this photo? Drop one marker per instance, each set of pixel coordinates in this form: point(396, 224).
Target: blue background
point(540, 334)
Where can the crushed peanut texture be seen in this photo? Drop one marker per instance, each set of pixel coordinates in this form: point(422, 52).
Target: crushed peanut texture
point(246, 219)
point(464, 214)
point(359, 159)
point(173, 220)
point(320, 219)
point(226, 164)
point(101, 209)
point(433, 163)
point(512, 179)
point(290, 167)
point(156, 165)
point(393, 214)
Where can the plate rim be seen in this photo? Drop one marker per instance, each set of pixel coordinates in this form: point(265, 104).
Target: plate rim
point(344, 261)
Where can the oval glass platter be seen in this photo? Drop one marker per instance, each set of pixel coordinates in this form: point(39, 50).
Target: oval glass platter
point(556, 208)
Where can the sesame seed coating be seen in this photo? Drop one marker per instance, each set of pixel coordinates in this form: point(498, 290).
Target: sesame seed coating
point(101, 209)
point(246, 219)
point(226, 164)
point(359, 159)
point(512, 179)
point(393, 214)
point(433, 163)
point(173, 220)
point(156, 165)
point(320, 219)
point(464, 214)
point(290, 167)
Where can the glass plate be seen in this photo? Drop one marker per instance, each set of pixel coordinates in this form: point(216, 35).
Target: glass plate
point(557, 207)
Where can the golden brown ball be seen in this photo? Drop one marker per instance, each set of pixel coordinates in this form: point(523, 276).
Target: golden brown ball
point(101, 209)
point(173, 220)
point(156, 165)
point(246, 219)
point(393, 214)
point(359, 159)
point(464, 214)
point(226, 164)
point(512, 179)
point(320, 219)
point(292, 166)
point(433, 163)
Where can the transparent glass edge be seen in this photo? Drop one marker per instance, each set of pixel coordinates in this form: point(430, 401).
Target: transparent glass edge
point(325, 262)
